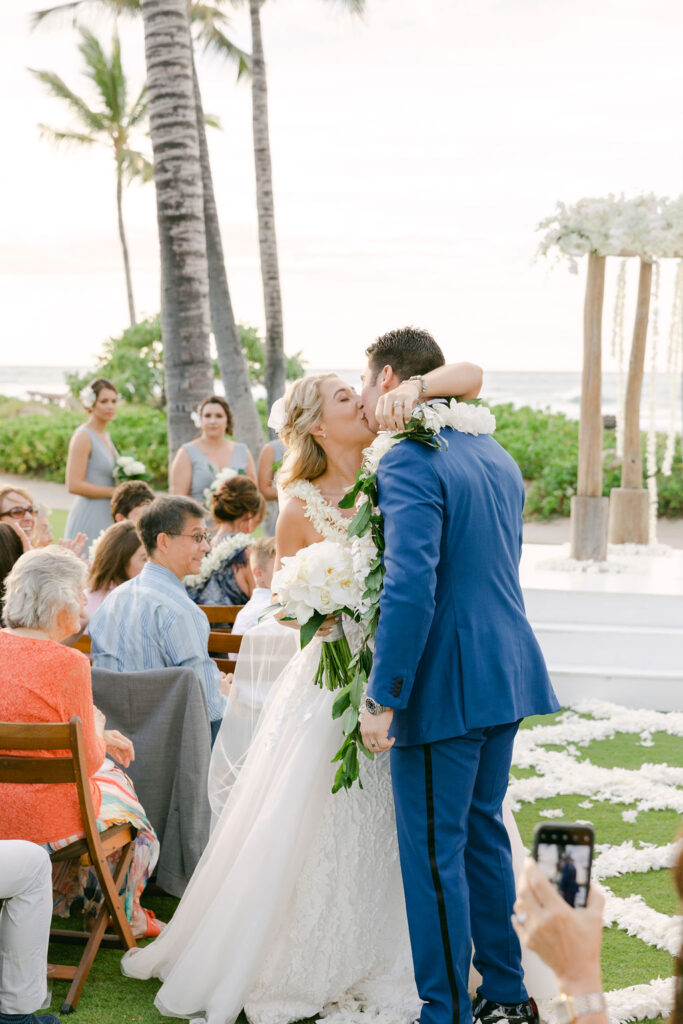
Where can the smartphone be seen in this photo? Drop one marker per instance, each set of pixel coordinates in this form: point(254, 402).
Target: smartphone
point(564, 853)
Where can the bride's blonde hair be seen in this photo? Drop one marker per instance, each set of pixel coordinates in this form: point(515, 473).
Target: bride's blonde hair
point(304, 458)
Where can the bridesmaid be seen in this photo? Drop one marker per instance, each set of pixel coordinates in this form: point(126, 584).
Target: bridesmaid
point(197, 462)
point(90, 463)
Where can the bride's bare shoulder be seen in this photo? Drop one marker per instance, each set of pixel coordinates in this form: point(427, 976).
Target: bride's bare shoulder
point(293, 529)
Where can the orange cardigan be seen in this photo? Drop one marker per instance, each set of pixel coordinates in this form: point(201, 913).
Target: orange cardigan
point(43, 681)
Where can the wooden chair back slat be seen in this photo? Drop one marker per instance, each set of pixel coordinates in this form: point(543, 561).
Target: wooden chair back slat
point(221, 642)
point(35, 736)
point(33, 770)
point(225, 664)
point(221, 612)
point(84, 644)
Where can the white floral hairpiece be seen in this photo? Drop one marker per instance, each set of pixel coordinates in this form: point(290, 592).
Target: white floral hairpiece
point(196, 418)
point(278, 415)
point(87, 396)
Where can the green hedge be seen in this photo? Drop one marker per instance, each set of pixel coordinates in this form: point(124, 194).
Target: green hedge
point(544, 444)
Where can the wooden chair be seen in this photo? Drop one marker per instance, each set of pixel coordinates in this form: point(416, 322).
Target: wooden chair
point(221, 643)
point(92, 850)
point(83, 644)
point(221, 612)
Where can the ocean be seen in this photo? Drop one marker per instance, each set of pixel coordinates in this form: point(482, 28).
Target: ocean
point(557, 391)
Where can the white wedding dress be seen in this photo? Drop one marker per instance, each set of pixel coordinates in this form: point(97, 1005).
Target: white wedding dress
point(297, 903)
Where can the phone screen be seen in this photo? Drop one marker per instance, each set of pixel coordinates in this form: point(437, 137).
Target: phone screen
point(564, 853)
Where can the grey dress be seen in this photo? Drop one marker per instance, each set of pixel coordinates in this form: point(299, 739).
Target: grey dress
point(204, 473)
point(92, 515)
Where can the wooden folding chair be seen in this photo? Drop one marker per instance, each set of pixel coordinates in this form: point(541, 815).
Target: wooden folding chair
point(223, 613)
point(221, 643)
point(83, 644)
point(92, 850)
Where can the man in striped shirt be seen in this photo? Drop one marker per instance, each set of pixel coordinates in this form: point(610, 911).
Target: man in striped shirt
point(150, 622)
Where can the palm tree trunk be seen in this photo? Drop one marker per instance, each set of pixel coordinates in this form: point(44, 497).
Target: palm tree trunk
point(124, 246)
point(231, 360)
point(180, 213)
point(276, 366)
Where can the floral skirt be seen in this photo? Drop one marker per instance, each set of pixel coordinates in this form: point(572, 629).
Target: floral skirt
point(75, 886)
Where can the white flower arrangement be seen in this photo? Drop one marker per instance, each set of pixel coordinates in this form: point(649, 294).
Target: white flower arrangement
point(646, 225)
point(221, 477)
point(127, 467)
point(214, 559)
point(318, 579)
point(87, 397)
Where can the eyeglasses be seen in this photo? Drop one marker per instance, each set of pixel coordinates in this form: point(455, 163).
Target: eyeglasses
point(197, 537)
point(19, 511)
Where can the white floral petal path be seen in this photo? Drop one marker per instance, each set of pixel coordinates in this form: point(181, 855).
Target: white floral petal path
point(566, 772)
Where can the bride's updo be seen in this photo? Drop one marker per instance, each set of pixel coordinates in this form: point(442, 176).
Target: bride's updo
point(304, 458)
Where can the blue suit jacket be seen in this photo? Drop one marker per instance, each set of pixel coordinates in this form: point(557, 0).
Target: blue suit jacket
point(454, 648)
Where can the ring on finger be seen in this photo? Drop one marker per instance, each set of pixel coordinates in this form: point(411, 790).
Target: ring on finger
point(521, 917)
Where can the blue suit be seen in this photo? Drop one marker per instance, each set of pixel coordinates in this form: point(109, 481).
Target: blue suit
point(456, 658)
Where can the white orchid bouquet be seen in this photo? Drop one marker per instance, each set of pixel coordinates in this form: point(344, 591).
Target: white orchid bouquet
point(127, 467)
point(318, 582)
point(222, 476)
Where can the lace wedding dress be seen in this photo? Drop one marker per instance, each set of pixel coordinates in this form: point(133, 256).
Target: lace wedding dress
point(297, 904)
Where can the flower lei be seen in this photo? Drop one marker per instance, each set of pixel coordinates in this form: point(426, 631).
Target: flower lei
point(214, 559)
point(366, 531)
point(325, 518)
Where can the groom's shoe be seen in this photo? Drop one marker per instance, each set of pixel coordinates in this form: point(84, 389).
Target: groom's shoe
point(485, 1011)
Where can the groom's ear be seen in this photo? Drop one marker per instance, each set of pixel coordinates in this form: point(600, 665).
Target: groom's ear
point(388, 379)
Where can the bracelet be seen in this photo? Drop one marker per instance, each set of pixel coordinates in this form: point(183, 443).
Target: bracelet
point(421, 382)
point(570, 1008)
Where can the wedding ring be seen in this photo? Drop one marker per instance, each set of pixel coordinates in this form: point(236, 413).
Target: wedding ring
point(394, 404)
point(522, 917)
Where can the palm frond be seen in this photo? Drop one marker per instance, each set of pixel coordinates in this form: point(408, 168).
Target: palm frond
point(58, 137)
point(131, 7)
point(106, 73)
point(59, 89)
point(136, 166)
point(213, 40)
point(354, 6)
point(138, 111)
point(213, 121)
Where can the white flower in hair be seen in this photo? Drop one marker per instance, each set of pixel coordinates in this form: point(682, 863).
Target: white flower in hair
point(220, 478)
point(87, 396)
point(278, 415)
point(196, 418)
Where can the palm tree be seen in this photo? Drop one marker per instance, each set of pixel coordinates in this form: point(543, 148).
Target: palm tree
point(111, 123)
point(209, 27)
point(180, 213)
point(276, 363)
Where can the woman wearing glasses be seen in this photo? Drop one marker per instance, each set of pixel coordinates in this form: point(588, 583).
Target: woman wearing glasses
point(90, 463)
point(17, 510)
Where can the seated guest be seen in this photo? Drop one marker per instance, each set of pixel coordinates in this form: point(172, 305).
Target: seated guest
point(43, 681)
point(17, 507)
point(225, 576)
point(13, 543)
point(119, 555)
point(130, 499)
point(26, 888)
point(262, 563)
point(149, 621)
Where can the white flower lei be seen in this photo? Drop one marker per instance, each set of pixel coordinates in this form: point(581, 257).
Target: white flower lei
point(325, 518)
point(214, 559)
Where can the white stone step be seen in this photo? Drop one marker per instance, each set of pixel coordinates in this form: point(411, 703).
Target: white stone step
point(657, 690)
point(545, 605)
point(635, 648)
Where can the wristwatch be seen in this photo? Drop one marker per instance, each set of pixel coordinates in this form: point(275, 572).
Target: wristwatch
point(570, 1008)
point(421, 381)
point(373, 708)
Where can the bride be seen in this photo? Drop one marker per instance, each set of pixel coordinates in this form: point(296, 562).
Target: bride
point(297, 904)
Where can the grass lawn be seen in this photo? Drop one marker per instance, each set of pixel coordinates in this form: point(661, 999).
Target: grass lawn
point(109, 998)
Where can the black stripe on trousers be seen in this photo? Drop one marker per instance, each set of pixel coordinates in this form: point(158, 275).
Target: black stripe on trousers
point(441, 903)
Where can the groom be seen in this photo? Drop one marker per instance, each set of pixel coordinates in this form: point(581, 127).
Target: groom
point(456, 667)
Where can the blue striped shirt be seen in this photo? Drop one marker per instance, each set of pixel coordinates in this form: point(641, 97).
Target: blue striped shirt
point(150, 622)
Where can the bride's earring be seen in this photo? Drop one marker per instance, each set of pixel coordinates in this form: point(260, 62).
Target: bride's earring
point(323, 434)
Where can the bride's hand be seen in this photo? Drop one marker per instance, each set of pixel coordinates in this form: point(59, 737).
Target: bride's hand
point(395, 408)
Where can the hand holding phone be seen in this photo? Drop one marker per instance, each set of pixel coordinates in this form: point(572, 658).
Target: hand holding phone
point(564, 852)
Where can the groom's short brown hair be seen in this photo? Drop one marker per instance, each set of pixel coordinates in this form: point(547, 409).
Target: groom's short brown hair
point(407, 350)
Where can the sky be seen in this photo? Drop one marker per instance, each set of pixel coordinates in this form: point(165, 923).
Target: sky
point(414, 152)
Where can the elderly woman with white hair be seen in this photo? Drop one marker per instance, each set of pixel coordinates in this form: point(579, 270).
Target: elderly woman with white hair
point(43, 681)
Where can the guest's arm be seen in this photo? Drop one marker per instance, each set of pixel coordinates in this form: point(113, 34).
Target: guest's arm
point(251, 468)
point(80, 448)
point(77, 700)
point(264, 480)
point(181, 473)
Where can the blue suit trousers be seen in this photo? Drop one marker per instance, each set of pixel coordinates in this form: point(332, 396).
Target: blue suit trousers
point(457, 869)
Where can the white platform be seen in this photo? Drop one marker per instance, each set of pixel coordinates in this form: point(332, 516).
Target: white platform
point(611, 631)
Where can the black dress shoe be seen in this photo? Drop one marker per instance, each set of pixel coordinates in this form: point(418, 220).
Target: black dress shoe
point(485, 1011)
